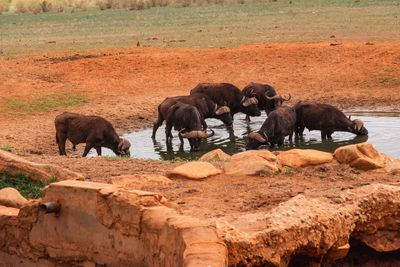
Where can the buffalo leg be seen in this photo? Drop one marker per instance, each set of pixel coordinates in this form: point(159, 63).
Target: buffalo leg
point(61, 139)
point(291, 137)
point(87, 149)
point(280, 141)
point(247, 117)
point(181, 139)
point(156, 125)
point(98, 150)
point(323, 134)
point(299, 132)
point(168, 130)
point(204, 124)
point(329, 134)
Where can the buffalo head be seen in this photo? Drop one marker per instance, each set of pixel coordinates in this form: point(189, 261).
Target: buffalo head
point(358, 128)
point(255, 140)
point(224, 114)
point(250, 106)
point(123, 148)
point(278, 99)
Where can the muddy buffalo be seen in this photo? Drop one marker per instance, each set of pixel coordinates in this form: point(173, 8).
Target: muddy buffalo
point(204, 104)
point(326, 118)
point(226, 94)
point(186, 119)
point(281, 122)
point(95, 131)
point(266, 95)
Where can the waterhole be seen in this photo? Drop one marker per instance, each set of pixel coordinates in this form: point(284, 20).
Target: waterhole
point(383, 128)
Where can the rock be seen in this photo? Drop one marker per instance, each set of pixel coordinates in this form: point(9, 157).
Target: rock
point(215, 155)
point(195, 170)
point(303, 157)
point(322, 227)
point(252, 162)
point(138, 181)
point(10, 197)
point(47, 172)
point(392, 165)
point(361, 156)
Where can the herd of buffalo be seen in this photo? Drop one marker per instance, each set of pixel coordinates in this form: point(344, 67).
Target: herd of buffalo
point(187, 115)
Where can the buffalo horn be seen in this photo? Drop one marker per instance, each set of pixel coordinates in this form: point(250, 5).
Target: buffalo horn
point(358, 124)
point(257, 136)
point(287, 99)
point(250, 101)
point(271, 97)
point(222, 110)
point(197, 134)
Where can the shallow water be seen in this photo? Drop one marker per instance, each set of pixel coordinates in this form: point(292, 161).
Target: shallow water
point(383, 128)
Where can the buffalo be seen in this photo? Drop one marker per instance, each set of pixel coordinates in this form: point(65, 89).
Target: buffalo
point(226, 94)
point(206, 107)
point(186, 119)
point(326, 118)
point(95, 131)
point(280, 123)
point(266, 95)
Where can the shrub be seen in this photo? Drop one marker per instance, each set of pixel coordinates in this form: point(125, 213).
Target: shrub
point(106, 4)
point(4, 6)
point(19, 6)
point(58, 5)
point(34, 6)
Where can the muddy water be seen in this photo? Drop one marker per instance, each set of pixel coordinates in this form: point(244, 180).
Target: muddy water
point(383, 127)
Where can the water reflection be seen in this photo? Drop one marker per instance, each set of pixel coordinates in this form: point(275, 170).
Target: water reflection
point(383, 133)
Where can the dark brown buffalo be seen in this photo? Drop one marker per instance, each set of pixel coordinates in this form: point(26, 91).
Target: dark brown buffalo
point(280, 123)
point(326, 118)
point(95, 131)
point(186, 119)
point(206, 107)
point(226, 94)
point(266, 95)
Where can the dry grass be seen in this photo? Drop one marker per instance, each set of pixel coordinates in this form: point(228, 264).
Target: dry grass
point(4, 6)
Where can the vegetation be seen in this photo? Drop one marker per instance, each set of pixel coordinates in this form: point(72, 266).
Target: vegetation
point(4, 6)
point(24, 184)
point(43, 104)
point(10, 148)
point(199, 25)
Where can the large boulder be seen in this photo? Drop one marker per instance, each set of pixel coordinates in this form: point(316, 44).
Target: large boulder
point(362, 156)
point(215, 155)
point(252, 162)
point(303, 157)
point(47, 172)
point(195, 170)
point(10, 197)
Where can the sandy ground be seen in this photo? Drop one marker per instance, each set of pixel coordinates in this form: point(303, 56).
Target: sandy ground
point(126, 85)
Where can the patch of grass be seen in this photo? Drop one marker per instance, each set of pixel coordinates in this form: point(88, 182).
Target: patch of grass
point(10, 149)
point(24, 184)
point(287, 170)
point(45, 103)
point(113, 158)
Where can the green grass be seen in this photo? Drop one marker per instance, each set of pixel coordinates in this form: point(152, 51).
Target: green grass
point(45, 103)
point(212, 25)
point(24, 184)
point(10, 149)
